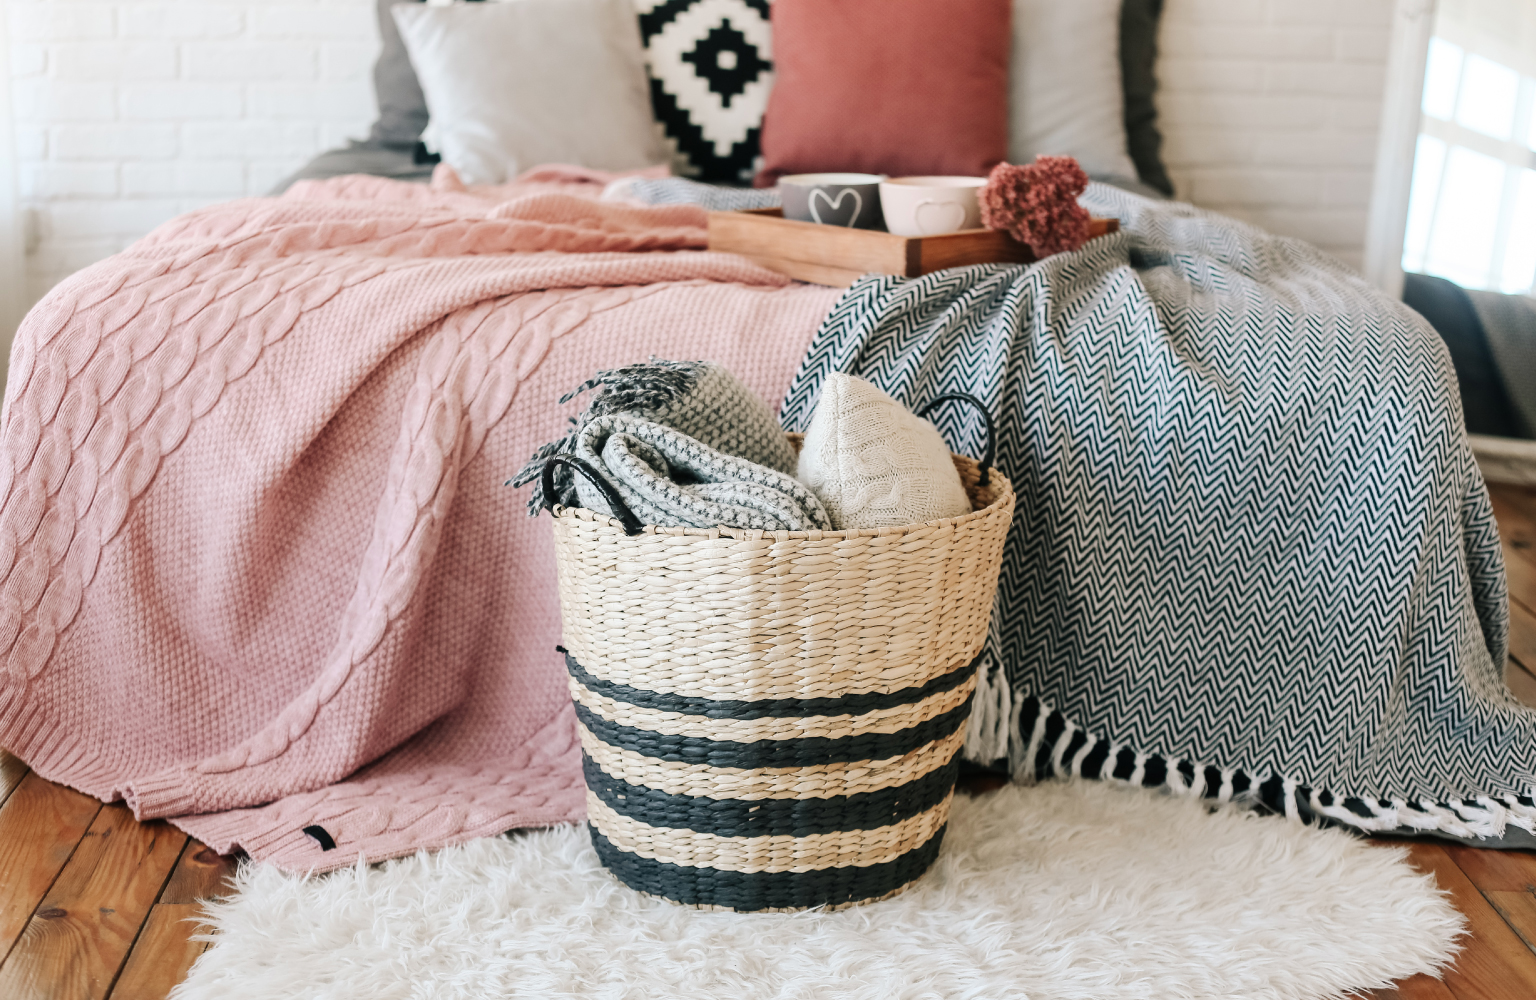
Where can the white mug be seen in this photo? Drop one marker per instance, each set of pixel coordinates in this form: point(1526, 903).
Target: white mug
point(930, 206)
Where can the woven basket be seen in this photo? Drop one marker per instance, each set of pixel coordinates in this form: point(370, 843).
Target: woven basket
point(773, 720)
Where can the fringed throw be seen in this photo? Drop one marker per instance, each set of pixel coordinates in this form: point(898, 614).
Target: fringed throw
point(1253, 556)
point(684, 443)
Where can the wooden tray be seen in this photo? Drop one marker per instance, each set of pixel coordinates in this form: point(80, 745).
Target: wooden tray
point(836, 256)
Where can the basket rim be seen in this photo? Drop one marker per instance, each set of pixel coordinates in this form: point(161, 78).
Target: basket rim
point(1005, 493)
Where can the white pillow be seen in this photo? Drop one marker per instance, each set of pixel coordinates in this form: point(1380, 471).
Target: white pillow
point(520, 83)
point(1067, 98)
point(875, 465)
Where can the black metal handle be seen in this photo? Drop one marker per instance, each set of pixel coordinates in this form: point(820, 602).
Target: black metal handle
point(989, 450)
point(632, 525)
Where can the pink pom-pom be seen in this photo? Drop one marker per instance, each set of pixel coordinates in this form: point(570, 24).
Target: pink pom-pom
point(1037, 205)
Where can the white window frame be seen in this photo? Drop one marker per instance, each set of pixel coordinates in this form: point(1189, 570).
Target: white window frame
point(1413, 22)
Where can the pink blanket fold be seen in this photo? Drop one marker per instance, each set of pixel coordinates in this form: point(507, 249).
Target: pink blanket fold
point(259, 568)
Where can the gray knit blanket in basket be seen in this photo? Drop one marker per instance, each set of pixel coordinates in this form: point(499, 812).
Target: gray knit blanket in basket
point(685, 444)
point(1254, 556)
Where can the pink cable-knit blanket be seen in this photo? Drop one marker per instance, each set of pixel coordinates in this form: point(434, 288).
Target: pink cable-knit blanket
point(260, 571)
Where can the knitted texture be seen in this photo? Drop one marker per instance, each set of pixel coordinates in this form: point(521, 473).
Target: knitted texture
point(259, 570)
point(671, 479)
point(685, 444)
point(873, 463)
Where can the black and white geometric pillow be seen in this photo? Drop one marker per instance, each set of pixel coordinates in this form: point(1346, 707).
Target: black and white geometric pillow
point(711, 68)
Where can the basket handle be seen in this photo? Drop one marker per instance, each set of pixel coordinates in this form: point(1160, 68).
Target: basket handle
point(989, 451)
point(632, 525)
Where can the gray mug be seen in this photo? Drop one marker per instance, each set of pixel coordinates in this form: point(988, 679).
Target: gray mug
point(851, 200)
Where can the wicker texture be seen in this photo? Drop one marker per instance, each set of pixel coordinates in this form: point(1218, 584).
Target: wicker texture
point(816, 781)
point(772, 720)
point(887, 721)
point(838, 849)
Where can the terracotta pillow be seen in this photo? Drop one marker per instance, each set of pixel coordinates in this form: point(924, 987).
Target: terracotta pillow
point(887, 87)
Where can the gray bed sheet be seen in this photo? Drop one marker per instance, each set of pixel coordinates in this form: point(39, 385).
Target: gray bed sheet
point(361, 157)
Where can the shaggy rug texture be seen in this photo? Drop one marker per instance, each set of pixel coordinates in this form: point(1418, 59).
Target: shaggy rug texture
point(1051, 891)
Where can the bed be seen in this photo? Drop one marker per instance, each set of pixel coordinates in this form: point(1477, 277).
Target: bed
point(262, 577)
point(262, 550)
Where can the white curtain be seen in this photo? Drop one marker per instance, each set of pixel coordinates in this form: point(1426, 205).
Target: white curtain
point(13, 290)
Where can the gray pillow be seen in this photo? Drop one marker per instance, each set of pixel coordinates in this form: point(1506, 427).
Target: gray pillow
point(516, 84)
point(402, 108)
point(1066, 94)
point(370, 157)
point(1138, 72)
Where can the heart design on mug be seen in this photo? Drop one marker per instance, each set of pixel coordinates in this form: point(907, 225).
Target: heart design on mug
point(834, 204)
point(945, 210)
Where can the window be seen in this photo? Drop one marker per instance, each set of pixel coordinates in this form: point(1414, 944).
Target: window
point(1472, 213)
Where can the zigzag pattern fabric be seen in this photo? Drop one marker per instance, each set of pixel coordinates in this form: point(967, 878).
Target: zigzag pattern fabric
point(710, 197)
point(1253, 556)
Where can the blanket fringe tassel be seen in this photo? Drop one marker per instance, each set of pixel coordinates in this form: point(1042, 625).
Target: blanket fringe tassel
point(1040, 743)
point(992, 714)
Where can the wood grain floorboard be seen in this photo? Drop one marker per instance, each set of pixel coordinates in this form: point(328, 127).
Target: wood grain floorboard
point(1418, 988)
point(1500, 967)
point(1521, 682)
point(12, 770)
point(76, 942)
point(163, 955)
point(165, 950)
point(1522, 635)
point(1517, 530)
point(1507, 879)
point(40, 825)
point(94, 906)
point(1521, 574)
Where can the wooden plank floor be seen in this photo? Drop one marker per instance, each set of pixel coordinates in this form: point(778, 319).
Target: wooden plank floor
point(94, 905)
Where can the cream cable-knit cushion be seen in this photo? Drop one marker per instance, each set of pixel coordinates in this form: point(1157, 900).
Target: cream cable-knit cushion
point(874, 464)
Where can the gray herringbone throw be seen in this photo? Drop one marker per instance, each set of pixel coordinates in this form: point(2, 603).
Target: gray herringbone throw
point(685, 443)
point(1253, 555)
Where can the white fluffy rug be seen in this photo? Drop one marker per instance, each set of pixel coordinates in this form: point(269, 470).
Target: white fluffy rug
point(1055, 891)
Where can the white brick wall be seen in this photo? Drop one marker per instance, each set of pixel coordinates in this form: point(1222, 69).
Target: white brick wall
point(1270, 110)
point(131, 111)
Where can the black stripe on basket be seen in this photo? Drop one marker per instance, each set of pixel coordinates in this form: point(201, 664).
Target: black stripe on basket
point(767, 708)
point(749, 891)
point(804, 752)
point(772, 817)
